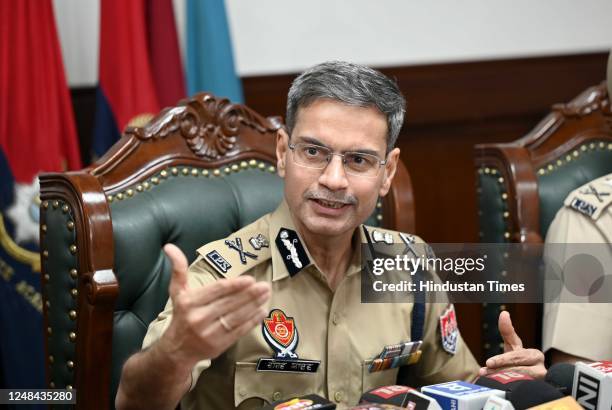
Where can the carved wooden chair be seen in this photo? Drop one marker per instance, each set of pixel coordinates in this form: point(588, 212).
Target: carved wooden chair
point(522, 185)
point(193, 174)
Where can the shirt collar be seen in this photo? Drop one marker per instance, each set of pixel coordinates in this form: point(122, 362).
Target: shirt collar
point(281, 220)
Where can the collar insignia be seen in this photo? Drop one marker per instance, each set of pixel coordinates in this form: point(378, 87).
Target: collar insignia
point(237, 246)
point(293, 252)
point(259, 241)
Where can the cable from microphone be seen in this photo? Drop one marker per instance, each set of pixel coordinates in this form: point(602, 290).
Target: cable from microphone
point(561, 375)
point(308, 402)
point(459, 395)
point(400, 396)
point(533, 393)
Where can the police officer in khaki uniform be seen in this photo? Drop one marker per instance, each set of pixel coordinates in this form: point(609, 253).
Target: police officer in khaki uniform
point(273, 310)
point(579, 331)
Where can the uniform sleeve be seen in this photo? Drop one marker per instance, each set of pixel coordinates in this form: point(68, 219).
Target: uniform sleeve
point(199, 274)
point(563, 321)
point(436, 364)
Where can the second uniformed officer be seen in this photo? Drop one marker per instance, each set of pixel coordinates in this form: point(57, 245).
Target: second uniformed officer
point(273, 310)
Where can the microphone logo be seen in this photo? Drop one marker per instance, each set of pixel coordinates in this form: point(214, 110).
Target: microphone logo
point(587, 393)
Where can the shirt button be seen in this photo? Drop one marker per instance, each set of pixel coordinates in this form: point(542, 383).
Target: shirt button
point(335, 319)
point(338, 396)
point(276, 396)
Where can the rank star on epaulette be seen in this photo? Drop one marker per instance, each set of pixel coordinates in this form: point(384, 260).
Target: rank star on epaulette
point(293, 252)
point(449, 331)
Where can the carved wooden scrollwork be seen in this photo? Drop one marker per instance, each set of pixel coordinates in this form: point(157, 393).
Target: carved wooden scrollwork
point(593, 99)
point(210, 125)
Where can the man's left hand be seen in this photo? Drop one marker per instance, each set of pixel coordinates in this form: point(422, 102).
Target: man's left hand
point(515, 357)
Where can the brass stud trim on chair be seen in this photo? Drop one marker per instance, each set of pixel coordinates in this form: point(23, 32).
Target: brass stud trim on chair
point(65, 208)
point(73, 249)
point(244, 165)
point(72, 336)
point(47, 277)
point(235, 167)
point(51, 358)
point(73, 273)
point(504, 196)
point(174, 171)
point(55, 204)
point(261, 165)
point(70, 364)
point(68, 387)
point(130, 192)
point(70, 225)
point(253, 163)
point(185, 171)
point(227, 170)
point(52, 385)
point(109, 198)
point(45, 204)
point(139, 188)
point(43, 228)
point(74, 292)
point(205, 172)
point(216, 172)
point(120, 196)
point(45, 254)
point(49, 331)
point(164, 173)
point(47, 304)
point(194, 172)
point(72, 315)
point(146, 185)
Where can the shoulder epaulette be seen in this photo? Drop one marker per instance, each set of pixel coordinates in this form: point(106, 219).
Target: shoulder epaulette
point(239, 252)
point(592, 198)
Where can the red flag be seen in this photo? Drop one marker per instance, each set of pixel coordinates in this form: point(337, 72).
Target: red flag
point(37, 131)
point(140, 66)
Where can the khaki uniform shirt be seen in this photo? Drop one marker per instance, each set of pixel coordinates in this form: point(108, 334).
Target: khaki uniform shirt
point(582, 329)
point(332, 327)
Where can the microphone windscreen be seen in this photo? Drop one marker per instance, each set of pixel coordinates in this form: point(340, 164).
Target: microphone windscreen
point(561, 375)
point(532, 393)
point(308, 402)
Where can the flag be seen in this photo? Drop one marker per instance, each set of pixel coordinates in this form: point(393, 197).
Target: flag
point(140, 68)
point(37, 134)
point(210, 63)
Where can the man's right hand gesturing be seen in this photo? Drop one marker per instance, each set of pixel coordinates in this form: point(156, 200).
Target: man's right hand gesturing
point(206, 321)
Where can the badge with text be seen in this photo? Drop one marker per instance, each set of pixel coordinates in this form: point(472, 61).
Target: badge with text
point(449, 331)
point(218, 261)
point(280, 332)
point(397, 355)
point(292, 250)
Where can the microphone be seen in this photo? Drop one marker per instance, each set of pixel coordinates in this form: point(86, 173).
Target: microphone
point(308, 402)
point(400, 396)
point(566, 403)
point(459, 395)
point(506, 381)
point(375, 406)
point(593, 385)
point(561, 375)
point(532, 393)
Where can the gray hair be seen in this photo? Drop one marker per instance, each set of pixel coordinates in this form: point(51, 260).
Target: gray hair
point(351, 84)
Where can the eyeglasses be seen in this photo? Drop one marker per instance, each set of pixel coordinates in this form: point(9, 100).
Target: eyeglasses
point(317, 157)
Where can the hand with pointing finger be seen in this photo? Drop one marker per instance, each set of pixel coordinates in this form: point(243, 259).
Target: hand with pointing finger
point(515, 357)
point(207, 320)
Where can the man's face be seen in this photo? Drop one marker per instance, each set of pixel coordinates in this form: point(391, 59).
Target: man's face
point(329, 201)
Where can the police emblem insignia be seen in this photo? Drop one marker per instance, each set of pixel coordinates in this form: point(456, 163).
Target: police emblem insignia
point(449, 331)
point(237, 246)
point(385, 237)
point(280, 332)
point(218, 261)
point(259, 241)
point(292, 250)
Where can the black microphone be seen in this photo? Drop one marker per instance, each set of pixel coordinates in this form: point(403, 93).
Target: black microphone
point(308, 402)
point(533, 392)
point(561, 375)
point(506, 381)
point(400, 396)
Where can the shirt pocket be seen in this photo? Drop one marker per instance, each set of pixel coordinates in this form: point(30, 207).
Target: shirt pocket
point(250, 385)
point(387, 377)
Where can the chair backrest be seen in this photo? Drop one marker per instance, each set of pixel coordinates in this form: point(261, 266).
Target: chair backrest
point(193, 174)
point(522, 184)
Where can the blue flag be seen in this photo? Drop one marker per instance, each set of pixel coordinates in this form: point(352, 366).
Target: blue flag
point(210, 63)
point(21, 327)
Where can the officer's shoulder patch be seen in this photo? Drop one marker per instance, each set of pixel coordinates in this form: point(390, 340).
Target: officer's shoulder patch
point(239, 252)
point(593, 198)
point(413, 244)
